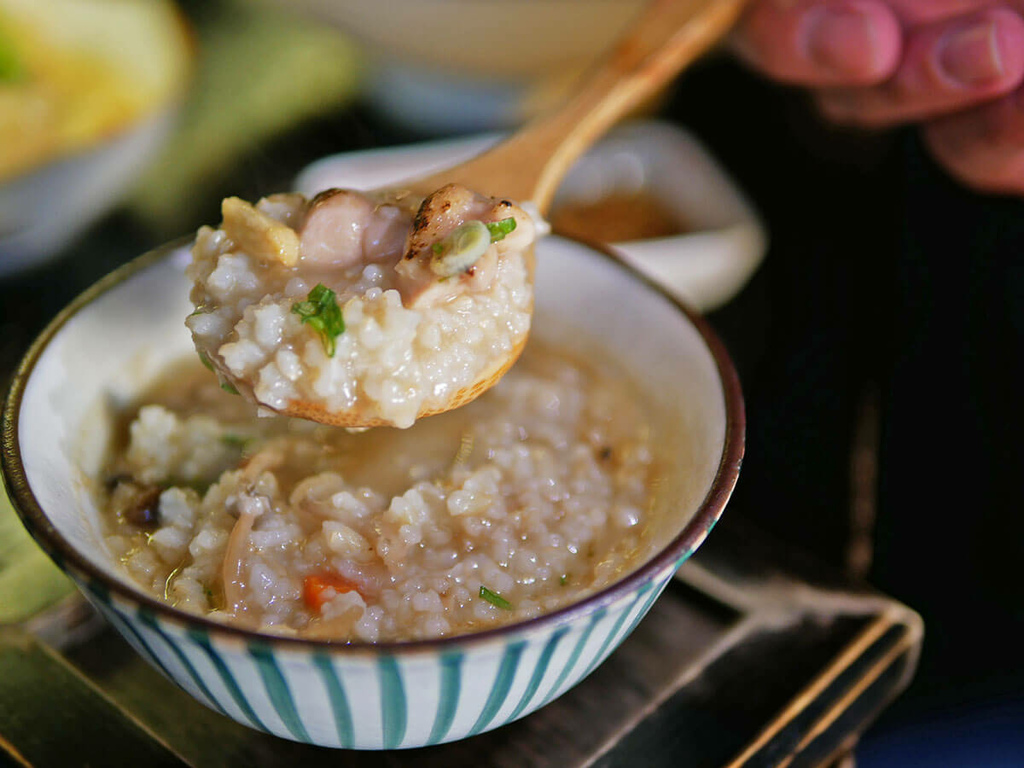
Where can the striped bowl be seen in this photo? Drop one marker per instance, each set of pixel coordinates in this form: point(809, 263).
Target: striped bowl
point(56, 425)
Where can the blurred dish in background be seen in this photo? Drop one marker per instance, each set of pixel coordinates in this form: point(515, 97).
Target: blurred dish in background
point(87, 91)
point(715, 241)
point(516, 40)
point(263, 71)
point(74, 72)
point(29, 580)
point(467, 65)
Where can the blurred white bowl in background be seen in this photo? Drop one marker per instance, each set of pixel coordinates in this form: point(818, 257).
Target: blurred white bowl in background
point(456, 66)
point(45, 209)
point(518, 40)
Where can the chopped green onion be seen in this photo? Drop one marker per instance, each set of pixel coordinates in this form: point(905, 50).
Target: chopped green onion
point(205, 361)
point(228, 387)
point(465, 244)
point(495, 599)
point(234, 441)
point(321, 310)
point(499, 229)
point(460, 249)
point(563, 579)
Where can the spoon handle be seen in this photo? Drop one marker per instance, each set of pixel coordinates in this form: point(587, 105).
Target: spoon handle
point(667, 36)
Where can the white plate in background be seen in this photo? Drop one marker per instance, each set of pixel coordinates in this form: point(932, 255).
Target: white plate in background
point(705, 267)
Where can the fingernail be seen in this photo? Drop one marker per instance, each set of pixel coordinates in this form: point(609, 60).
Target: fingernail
point(971, 56)
point(842, 40)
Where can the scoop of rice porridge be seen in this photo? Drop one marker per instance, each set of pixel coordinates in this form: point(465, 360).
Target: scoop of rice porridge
point(380, 305)
point(526, 500)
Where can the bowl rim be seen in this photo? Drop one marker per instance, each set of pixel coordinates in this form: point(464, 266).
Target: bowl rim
point(67, 556)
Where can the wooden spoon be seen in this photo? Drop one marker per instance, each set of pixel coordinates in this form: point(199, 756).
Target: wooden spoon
point(528, 166)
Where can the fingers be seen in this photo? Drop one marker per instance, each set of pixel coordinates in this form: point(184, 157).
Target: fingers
point(917, 12)
point(946, 67)
point(830, 43)
point(983, 147)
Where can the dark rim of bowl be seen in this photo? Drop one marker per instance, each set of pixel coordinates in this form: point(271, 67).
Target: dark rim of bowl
point(68, 557)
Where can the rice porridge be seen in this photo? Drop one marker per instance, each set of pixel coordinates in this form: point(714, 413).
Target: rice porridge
point(381, 305)
point(535, 495)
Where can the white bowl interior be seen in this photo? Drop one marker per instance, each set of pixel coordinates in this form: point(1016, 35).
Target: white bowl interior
point(120, 342)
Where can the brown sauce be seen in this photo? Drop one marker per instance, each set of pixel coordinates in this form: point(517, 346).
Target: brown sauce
point(617, 218)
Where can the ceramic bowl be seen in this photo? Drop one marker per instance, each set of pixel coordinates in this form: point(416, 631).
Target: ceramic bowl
point(118, 336)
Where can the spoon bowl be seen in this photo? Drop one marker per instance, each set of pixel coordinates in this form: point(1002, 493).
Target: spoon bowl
point(304, 409)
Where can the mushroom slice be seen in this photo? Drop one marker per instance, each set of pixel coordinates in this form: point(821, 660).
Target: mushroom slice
point(259, 235)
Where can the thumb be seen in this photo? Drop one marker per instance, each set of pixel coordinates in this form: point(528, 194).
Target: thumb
point(821, 42)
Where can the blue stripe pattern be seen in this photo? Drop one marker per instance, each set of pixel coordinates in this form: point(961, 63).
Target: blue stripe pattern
point(146, 617)
point(200, 638)
point(599, 656)
point(538, 673)
point(277, 690)
point(392, 701)
point(448, 702)
point(598, 615)
point(339, 701)
point(500, 687)
point(254, 679)
point(643, 611)
point(140, 643)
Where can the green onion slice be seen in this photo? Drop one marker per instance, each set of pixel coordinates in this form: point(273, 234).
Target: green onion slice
point(495, 599)
point(461, 249)
point(499, 229)
point(321, 310)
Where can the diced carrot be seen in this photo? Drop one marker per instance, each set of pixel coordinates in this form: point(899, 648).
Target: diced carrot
point(315, 588)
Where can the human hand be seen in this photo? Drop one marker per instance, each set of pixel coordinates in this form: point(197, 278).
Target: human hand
point(954, 66)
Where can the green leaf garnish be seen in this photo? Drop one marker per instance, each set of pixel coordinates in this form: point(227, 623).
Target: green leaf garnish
point(321, 310)
point(228, 387)
point(495, 599)
point(499, 229)
point(234, 441)
point(205, 361)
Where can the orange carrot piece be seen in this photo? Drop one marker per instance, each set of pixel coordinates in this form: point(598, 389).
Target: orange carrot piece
point(315, 588)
